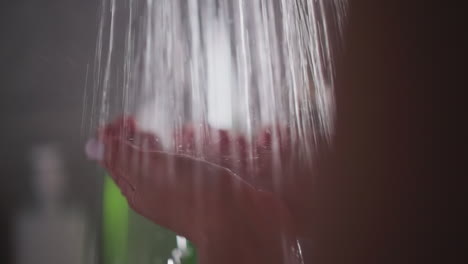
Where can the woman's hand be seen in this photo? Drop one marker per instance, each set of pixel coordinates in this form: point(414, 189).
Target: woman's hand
point(228, 219)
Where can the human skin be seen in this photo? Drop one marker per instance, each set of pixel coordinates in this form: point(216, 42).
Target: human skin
point(230, 216)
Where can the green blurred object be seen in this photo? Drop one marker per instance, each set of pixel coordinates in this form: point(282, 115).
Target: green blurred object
point(131, 238)
point(148, 243)
point(191, 258)
point(115, 224)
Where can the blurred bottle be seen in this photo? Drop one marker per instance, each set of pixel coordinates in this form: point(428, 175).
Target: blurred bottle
point(49, 232)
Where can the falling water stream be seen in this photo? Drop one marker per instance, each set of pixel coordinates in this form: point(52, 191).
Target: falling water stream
point(235, 64)
point(238, 65)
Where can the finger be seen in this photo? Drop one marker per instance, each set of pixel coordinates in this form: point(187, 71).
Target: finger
point(122, 160)
point(95, 149)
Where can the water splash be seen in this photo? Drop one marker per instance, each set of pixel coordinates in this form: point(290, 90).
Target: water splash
point(238, 65)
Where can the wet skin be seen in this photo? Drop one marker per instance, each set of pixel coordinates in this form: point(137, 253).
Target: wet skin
point(233, 212)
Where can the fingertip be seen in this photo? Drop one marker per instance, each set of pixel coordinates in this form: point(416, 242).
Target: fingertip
point(95, 149)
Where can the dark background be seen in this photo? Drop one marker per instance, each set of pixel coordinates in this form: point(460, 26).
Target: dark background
point(379, 196)
point(45, 50)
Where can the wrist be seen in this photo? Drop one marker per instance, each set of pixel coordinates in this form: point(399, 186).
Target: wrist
point(260, 231)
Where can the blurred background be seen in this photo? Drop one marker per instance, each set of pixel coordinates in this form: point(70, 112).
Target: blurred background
point(46, 48)
point(379, 196)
